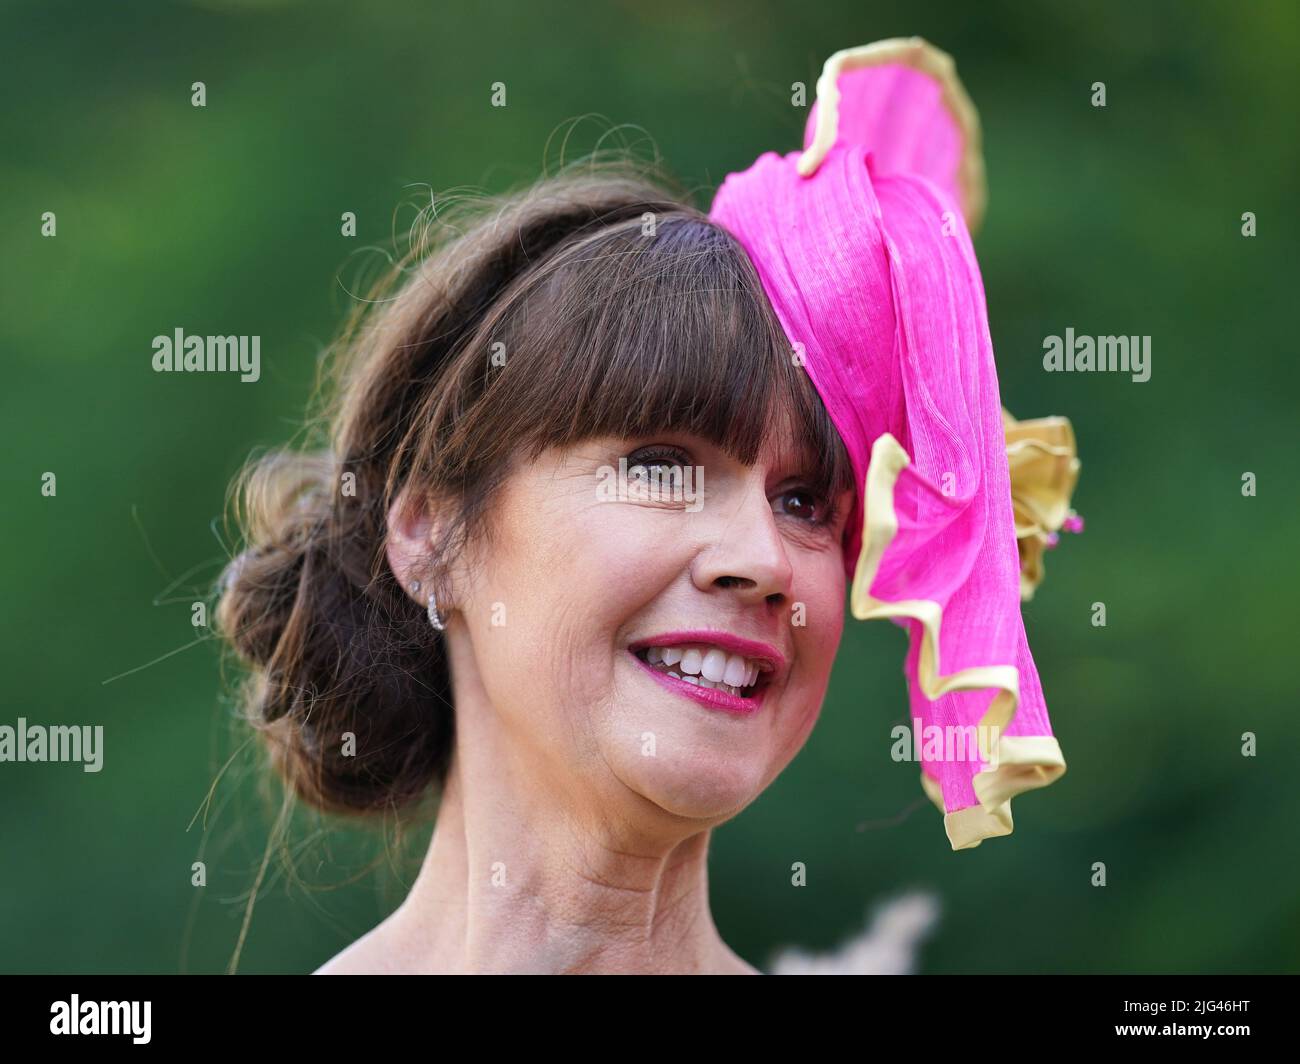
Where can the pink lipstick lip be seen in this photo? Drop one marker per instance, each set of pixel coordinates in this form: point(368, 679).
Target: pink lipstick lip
point(765, 654)
point(707, 696)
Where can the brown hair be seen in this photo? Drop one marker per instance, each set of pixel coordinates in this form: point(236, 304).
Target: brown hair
point(619, 310)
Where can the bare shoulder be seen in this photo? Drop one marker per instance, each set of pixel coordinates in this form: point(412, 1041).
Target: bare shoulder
point(366, 956)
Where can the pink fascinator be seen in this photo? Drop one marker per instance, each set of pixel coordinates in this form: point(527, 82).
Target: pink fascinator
point(862, 242)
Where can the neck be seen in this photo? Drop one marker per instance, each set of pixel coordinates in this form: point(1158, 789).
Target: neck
point(506, 888)
point(527, 875)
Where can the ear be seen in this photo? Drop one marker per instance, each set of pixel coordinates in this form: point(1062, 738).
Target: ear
point(410, 544)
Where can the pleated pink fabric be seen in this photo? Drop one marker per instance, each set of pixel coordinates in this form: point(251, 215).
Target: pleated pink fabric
point(869, 264)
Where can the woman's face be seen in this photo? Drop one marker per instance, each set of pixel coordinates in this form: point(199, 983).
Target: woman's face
point(673, 637)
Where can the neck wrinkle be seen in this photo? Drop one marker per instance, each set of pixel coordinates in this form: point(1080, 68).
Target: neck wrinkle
point(523, 878)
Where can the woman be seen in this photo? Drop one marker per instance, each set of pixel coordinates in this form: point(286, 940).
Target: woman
point(575, 557)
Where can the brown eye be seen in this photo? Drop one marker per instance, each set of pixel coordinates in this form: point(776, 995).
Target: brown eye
point(663, 459)
point(800, 504)
point(665, 466)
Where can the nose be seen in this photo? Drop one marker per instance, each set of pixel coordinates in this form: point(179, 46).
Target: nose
point(746, 553)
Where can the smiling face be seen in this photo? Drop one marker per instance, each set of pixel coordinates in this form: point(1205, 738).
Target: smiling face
point(632, 517)
point(678, 643)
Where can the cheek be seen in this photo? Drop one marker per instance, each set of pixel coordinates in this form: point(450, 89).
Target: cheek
point(565, 573)
point(820, 586)
point(610, 558)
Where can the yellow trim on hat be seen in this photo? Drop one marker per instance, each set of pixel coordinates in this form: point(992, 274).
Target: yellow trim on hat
point(1024, 762)
point(1044, 465)
point(921, 55)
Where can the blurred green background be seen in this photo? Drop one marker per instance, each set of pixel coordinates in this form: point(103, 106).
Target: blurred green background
point(1124, 219)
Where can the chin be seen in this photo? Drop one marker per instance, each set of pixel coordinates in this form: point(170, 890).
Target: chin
point(699, 777)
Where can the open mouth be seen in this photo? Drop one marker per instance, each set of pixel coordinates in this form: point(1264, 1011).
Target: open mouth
point(704, 665)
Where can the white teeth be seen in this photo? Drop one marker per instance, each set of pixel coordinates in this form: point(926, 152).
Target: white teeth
point(692, 679)
point(674, 674)
point(707, 666)
point(714, 665)
point(736, 671)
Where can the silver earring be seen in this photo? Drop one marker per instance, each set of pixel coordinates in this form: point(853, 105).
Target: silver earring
point(415, 587)
point(434, 618)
